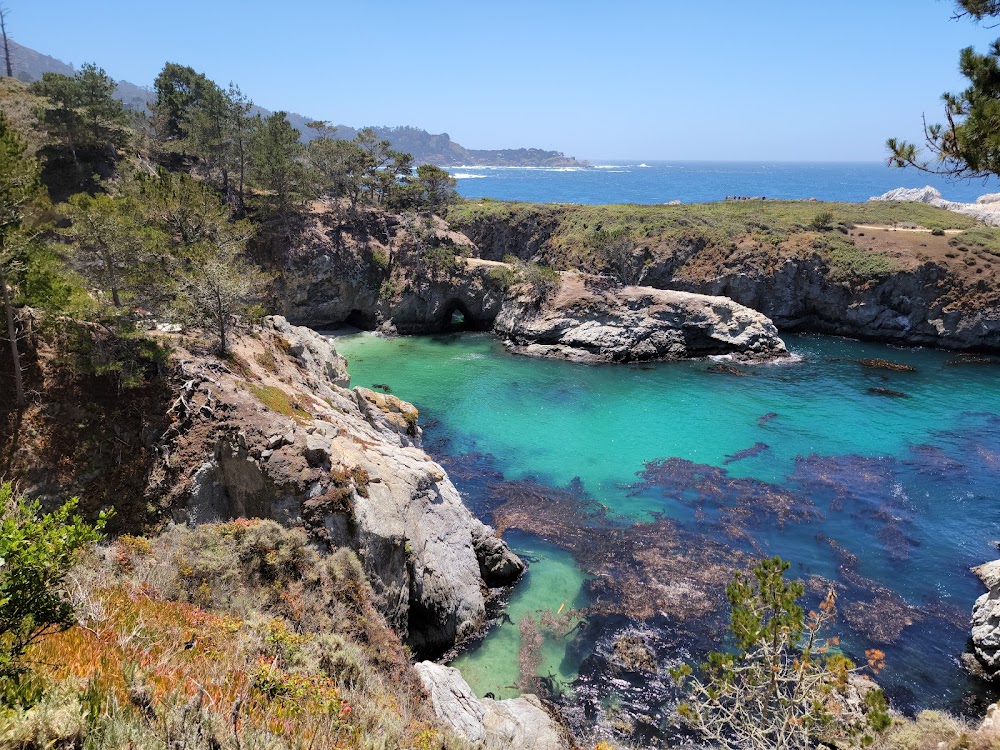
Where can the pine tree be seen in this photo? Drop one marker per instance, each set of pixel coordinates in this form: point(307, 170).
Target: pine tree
point(19, 188)
point(967, 144)
point(279, 168)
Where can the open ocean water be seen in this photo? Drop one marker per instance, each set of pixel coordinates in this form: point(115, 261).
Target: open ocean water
point(703, 181)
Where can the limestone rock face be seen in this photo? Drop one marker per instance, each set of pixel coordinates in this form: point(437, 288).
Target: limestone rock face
point(337, 276)
point(515, 723)
point(585, 319)
point(284, 439)
point(984, 658)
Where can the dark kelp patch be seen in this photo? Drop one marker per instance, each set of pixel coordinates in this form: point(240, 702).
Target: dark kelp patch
point(754, 450)
point(643, 571)
point(735, 505)
point(873, 363)
point(887, 392)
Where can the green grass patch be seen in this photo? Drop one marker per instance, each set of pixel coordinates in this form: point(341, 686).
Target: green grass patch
point(988, 238)
point(281, 402)
point(849, 262)
point(568, 231)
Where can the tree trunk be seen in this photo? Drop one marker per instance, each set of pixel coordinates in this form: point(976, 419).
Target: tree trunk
point(6, 46)
point(220, 312)
point(15, 355)
point(112, 282)
point(240, 206)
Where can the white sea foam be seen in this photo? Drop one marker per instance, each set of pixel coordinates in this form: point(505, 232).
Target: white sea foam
point(646, 166)
point(466, 176)
point(612, 166)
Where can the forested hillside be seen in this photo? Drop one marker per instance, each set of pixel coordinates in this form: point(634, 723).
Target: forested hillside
point(29, 65)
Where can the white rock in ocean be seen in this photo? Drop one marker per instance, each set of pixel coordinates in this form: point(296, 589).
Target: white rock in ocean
point(925, 194)
point(587, 320)
point(985, 209)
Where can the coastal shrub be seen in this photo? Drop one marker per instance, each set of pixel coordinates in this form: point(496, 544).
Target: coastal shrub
point(988, 238)
point(441, 259)
point(230, 635)
point(851, 263)
point(937, 232)
point(785, 684)
point(276, 399)
point(929, 730)
point(36, 553)
point(822, 221)
point(387, 290)
point(503, 276)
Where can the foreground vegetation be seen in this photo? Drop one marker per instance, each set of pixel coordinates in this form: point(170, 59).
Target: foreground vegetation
point(236, 635)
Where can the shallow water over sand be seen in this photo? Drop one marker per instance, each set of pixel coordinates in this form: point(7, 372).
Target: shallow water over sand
point(880, 482)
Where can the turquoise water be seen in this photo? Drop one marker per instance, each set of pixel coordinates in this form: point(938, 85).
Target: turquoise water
point(696, 182)
point(907, 484)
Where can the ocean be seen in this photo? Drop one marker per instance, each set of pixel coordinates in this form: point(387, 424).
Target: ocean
point(879, 483)
point(699, 182)
point(890, 500)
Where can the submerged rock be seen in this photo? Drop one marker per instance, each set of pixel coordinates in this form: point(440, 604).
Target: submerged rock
point(889, 392)
point(586, 320)
point(514, 723)
point(632, 653)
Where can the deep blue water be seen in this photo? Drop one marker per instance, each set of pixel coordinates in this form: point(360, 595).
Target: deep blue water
point(697, 182)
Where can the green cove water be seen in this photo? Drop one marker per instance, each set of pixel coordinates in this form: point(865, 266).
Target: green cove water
point(902, 468)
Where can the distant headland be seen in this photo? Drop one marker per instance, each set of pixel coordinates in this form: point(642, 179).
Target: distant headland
point(426, 148)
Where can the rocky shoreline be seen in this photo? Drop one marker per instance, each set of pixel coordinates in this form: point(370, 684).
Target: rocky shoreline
point(281, 436)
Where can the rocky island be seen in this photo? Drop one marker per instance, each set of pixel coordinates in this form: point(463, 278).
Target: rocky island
point(585, 319)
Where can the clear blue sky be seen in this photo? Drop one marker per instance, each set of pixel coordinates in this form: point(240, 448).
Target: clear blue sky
point(637, 79)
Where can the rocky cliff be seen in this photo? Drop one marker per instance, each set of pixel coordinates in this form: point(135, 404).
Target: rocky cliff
point(983, 659)
point(275, 433)
point(589, 320)
point(517, 722)
point(892, 280)
point(408, 272)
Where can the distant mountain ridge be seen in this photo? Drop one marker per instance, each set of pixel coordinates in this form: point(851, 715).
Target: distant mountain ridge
point(426, 148)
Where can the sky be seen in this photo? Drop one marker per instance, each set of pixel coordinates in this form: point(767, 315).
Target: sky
point(627, 79)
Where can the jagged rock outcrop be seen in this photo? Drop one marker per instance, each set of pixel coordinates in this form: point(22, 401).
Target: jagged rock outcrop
point(986, 208)
point(407, 272)
point(515, 723)
point(984, 658)
point(279, 436)
point(587, 319)
point(918, 307)
point(926, 301)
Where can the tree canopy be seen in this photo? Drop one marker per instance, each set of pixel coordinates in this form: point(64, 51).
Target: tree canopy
point(82, 111)
point(967, 144)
